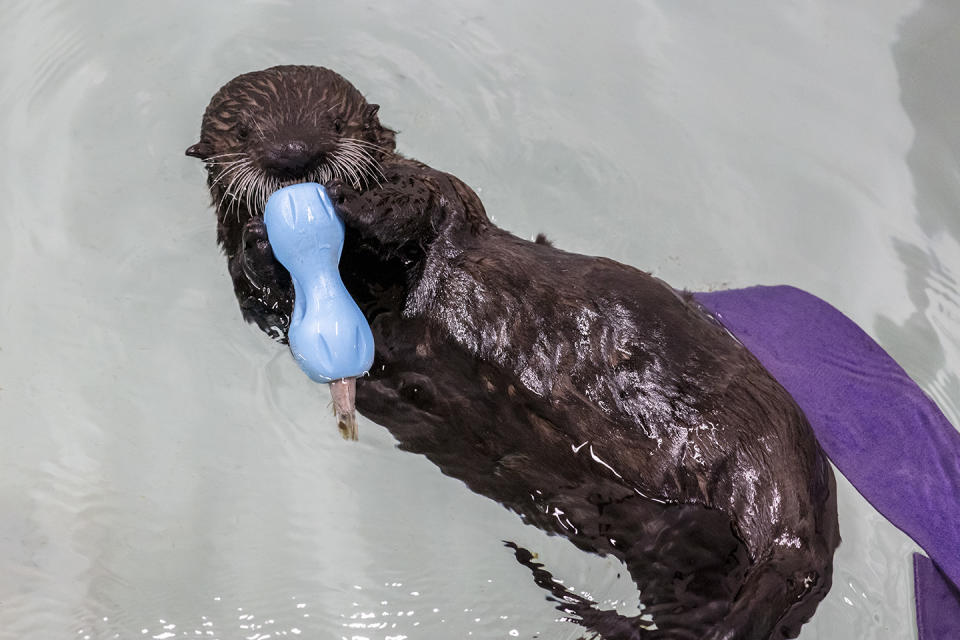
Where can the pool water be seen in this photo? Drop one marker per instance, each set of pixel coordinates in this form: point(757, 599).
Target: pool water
point(167, 471)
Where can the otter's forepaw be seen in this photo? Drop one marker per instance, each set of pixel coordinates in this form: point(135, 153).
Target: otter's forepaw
point(259, 263)
point(255, 241)
point(341, 192)
point(349, 202)
point(262, 285)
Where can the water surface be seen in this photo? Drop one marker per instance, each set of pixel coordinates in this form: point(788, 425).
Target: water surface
point(166, 471)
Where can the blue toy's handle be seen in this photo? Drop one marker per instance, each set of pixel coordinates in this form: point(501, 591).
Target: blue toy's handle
point(329, 336)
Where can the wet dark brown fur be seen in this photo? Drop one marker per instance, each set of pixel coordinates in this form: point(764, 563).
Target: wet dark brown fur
point(583, 394)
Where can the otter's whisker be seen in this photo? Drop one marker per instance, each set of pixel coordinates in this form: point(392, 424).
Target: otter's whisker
point(224, 163)
point(236, 194)
point(350, 169)
point(246, 192)
point(261, 202)
point(369, 155)
point(348, 152)
point(346, 164)
point(223, 198)
point(265, 192)
point(368, 165)
point(369, 149)
point(224, 155)
point(374, 166)
point(365, 152)
point(232, 168)
point(232, 190)
point(357, 161)
point(334, 170)
point(365, 167)
point(273, 184)
point(237, 171)
point(249, 191)
point(367, 143)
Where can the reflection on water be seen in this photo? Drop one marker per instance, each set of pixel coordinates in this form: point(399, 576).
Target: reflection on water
point(158, 454)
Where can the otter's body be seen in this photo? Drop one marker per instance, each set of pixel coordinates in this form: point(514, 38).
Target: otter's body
point(585, 395)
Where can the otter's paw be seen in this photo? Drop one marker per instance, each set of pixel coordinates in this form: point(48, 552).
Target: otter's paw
point(256, 254)
point(262, 285)
point(342, 195)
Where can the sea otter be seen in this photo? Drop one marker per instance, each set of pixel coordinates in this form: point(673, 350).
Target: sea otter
point(586, 395)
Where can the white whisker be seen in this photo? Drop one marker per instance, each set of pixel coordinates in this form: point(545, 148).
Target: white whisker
point(225, 155)
point(226, 191)
point(349, 167)
point(235, 166)
point(243, 185)
point(364, 162)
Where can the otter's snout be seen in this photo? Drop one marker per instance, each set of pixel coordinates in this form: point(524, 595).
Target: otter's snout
point(290, 156)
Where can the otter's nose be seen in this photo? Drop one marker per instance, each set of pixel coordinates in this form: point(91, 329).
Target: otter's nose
point(290, 155)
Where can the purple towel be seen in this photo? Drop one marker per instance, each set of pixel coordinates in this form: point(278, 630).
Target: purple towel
point(876, 425)
point(938, 601)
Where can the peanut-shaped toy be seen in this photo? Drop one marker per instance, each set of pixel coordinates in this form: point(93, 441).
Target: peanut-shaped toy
point(328, 335)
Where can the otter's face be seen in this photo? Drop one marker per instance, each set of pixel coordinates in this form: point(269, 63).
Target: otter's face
point(269, 129)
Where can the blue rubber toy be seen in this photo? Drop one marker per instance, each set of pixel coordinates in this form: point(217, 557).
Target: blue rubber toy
point(329, 335)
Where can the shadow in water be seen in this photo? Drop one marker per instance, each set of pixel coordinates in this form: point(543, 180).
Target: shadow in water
point(925, 57)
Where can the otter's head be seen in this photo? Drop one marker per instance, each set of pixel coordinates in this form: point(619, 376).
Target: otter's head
point(268, 129)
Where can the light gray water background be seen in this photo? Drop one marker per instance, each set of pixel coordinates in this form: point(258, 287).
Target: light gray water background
point(167, 472)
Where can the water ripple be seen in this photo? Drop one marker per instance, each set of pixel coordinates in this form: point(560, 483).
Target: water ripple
point(167, 471)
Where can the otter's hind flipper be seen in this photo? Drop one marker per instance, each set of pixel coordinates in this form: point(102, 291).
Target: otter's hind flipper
point(609, 624)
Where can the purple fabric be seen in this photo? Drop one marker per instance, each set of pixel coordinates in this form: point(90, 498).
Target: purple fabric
point(938, 602)
point(876, 425)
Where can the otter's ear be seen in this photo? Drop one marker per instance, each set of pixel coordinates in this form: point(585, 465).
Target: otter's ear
point(370, 112)
point(200, 150)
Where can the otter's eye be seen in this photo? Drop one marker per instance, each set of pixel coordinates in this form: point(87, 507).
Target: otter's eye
point(242, 131)
point(338, 125)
